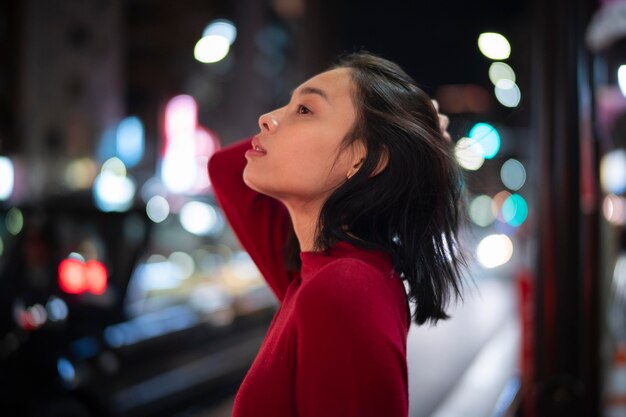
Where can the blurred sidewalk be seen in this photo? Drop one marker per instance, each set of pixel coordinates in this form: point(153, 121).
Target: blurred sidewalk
point(459, 367)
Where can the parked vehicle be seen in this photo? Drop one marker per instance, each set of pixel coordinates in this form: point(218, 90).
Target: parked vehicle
point(111, 314)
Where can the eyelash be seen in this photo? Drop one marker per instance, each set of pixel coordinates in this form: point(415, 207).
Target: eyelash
point(300, 107)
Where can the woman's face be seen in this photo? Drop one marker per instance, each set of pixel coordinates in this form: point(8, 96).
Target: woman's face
point(301, 140)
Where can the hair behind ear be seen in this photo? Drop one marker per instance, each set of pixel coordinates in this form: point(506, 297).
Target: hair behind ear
point(405, 199)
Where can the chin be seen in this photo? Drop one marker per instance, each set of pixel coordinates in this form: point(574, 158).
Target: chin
point(250, 180)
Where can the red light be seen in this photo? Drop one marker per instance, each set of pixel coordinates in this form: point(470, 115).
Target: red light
point(72, 276)
point(76, 277)
point(96, 274)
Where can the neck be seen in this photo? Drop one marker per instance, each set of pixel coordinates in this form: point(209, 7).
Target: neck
point(304, 217)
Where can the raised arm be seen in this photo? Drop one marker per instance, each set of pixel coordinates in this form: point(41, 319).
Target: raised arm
point(261, 223)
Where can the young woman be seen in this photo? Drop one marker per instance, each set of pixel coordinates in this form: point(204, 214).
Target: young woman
point(346, 195)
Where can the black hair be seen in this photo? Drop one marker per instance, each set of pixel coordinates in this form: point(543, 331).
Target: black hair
point(413, 208)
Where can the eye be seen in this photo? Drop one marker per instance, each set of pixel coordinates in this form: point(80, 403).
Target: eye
point(303, 109)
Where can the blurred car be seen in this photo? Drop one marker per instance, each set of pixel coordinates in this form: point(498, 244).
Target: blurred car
point(111, 314)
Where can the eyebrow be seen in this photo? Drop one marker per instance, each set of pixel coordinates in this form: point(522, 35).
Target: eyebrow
point(312, 90)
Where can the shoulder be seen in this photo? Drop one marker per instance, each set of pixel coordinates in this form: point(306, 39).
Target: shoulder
point(345, 283)
point(348, 273)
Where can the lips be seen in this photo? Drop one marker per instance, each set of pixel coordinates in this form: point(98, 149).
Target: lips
point(256, 145)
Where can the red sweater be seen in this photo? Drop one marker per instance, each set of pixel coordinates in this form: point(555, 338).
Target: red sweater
point(337, 344)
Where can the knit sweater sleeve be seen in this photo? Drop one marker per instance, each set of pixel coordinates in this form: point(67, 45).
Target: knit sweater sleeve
point(260, 222)
point(351, 344)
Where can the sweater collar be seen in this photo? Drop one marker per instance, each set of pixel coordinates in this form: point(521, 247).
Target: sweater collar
point(312, 261)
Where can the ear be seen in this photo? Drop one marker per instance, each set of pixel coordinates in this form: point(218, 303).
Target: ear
point(359, 157)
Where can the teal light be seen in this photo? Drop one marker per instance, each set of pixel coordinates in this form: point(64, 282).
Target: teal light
point(488, 137)
point(515, 210)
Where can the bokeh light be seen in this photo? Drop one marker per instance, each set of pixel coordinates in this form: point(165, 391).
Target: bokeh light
point(513, 174)
point(507, 93)
point(211, 49)
point(494, 250)
point(114, 166)
point(488, 137)
point(619, 278)
point(157, 208)
point(515, 210)
point(184, 262)
point(614, 209)
point(112, 189)
point(501, 71)
point(498, 203)
point(621, 79)
point(80, 173)
point(494, 45)
point(14, 221)
point(178, 168)
point(222, 27)
point(181, 118)
point(57, 309)
point(130, 141)
point(199, 218)
point(7, 177)
point(613, 171)
point(66, 370)
point(469, 154)
point(481, 210)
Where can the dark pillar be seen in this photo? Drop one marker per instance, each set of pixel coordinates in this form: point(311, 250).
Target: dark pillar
point(566, 338)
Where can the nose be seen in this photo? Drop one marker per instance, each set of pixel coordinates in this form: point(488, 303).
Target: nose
point(268, 122)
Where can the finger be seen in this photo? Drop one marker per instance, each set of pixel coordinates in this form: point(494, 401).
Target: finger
point(444, 121)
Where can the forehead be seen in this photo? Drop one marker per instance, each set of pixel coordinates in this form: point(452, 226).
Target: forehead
point(335, 83)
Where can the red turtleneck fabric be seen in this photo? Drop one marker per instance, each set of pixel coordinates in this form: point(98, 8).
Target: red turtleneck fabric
point(337, 344)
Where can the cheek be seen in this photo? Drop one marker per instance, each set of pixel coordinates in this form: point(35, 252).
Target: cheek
point(306, 173)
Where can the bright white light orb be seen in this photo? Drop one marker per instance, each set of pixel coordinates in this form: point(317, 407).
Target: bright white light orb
point(507, 93)
point(613, 171)
point(494, 45)
point(469, 154)
point(614, 209)
point(178, 174)
point(621, 78)
point(500, 71)
point(494, 250)
point(113, 192)
point(222, 27)
point(157, 209)
point(212, 48)
point(7, 178)
point(199, 218)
